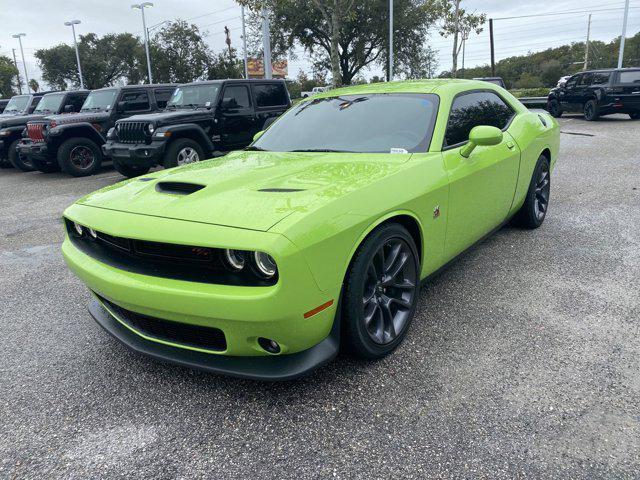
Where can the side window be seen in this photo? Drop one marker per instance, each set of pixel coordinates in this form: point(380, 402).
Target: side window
point(236, 96)
point(601, 78)
point(34, 104)
point(573, 81)
point(472, 109)
point(587, 79)
point(162, 97)
point(270, 95)
point(76, 101)
point(135, 101)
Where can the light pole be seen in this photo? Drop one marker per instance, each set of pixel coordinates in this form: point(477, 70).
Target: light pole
point(624, 34)
point(15, 62)
point(244, 45)
point(266, 44)
point(390, 79)
point(141, 7)
point(26, 75)
point(73, 24)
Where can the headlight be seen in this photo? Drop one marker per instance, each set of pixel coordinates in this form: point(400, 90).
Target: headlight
point(235, 259)
point(92, 233)
point(4, 133)
point(151, 128)
point(265, 264)
point(78, 228)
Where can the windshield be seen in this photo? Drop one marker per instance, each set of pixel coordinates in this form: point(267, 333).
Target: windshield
point(99, 100)
point(190, 96)
point(50, 103)
point(17, 104)
point(370, 123)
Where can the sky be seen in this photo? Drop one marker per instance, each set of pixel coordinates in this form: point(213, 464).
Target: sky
point(43, 22)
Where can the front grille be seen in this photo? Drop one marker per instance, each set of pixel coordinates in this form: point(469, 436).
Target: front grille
point(133, 132)
point(167, 260)
point(36, 132)
point(207, 338)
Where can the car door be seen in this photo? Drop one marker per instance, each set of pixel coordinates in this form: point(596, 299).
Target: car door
point(236, 117)
point(569, 98)
point(482, 187)
point(583, 91)
point(271, 100)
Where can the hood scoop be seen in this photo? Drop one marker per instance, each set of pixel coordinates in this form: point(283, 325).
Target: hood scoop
point(178, 188)
point(281, 190)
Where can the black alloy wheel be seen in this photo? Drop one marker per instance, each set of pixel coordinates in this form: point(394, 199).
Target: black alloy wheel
point(543, 191)
point(591, 111)
point(553, 107)
point(536, 204)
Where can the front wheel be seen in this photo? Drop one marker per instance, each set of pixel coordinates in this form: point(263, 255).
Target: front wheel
point(553, 107)
point(18, 160)
point(129, 171)
point(635, 116)
point(591, 112)
point(183, 152)
point(536, 204)
point(79, 157)
point(381, 292)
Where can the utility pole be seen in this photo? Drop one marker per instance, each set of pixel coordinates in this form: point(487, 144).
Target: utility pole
point(15, 62)
point(586, 46)
point(624, 33)
point(464, 46)
point(493, 51)
point(24, 64)
point(141, 7)
point(73, 24)
point(244, 46)
point(390, 79)
point(227, 40)
point(266, 44)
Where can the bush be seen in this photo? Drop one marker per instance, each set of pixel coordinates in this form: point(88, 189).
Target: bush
point(530, 92)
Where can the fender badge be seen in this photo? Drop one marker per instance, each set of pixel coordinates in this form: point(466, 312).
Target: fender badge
point(436, 211)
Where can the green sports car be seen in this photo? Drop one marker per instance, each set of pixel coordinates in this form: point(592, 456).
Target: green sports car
point(264, 263)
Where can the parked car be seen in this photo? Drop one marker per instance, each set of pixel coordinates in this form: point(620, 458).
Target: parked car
point(202, 119)
point(72, 142)
point(315, 90)
point(262, 263)
point(495, 80)
point(598, 92)
point(11, 128)
point(22, 104)
point(3, 104)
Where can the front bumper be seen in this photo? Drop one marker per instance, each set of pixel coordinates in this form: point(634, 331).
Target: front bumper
point(284, 367)
point(243, 314)
point(36, 150)
point(139, 155)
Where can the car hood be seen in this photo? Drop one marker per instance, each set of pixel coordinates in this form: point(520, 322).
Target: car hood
point(250, 190)
point(170, 117)
point(88, 117)
point(14, 121)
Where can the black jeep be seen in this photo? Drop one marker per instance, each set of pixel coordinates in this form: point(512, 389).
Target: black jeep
point(598, 92)
point(12, 127)
point(72, 142)
point(202, 120)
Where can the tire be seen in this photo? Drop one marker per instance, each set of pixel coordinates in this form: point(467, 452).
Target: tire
point(371, 306)
point(79, 157)
point(5, 163)
point(635, 116)
point(554, 109)
point(178, 149)
point(536, 204)
point(591, 111)
point(45, 167)
point(129, 171)
point(17, 160)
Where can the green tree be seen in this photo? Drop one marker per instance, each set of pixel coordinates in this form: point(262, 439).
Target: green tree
point(363, 30)
point(179, 54)
point(34, 85)
point(459, 24)
point(225, 65)
point(8, 77)
point(105, 61)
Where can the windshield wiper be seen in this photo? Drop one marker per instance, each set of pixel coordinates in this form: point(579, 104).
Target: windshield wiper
point(321, 150)
point(253, 148)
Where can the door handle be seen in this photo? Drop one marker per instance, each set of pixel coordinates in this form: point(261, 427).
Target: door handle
point(511, 145)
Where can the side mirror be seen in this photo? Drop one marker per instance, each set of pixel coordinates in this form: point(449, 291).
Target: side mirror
point(258, 135)
point(481, 136)
point(68, 109)
point(120, 106)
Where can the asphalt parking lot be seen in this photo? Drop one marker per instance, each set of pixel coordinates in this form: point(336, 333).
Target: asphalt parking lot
point(524, 360)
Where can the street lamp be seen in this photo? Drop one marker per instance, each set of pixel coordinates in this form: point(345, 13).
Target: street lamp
point(73, 24)
point(141, 7)
point(26, 76)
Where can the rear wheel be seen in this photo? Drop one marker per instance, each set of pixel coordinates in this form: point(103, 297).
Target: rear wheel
point(536, 204)
point(183, 152)
point(18, 160)
point(635, 116)
point(79, 157)
point(591, 111)
point(129, 171)
point(553, 107)
point(381, 292)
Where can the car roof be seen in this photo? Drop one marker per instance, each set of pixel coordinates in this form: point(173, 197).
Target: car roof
point(250, 80)
point(410, 86)
point(146, 85)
